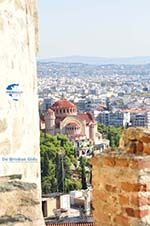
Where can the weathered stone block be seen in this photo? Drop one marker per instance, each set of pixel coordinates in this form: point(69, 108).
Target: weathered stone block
point(20, 203)
point(135, 140)
point(121, 188)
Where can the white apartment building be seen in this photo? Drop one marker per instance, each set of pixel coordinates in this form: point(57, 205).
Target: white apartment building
point(130, 117)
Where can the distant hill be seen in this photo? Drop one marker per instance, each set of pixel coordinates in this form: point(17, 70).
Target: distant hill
point(100, 60)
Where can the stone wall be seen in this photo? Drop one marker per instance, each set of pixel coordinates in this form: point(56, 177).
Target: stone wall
point(135, 140)
point(19, 127)
point(20, 205)
point(121, 187)
point(19, 120)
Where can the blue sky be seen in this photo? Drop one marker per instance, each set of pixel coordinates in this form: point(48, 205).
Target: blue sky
point(104, 28)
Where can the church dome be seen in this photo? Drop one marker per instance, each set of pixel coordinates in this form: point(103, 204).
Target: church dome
point(63, 104)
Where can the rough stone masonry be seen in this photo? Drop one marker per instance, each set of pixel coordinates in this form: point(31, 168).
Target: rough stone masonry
point(19, 127)
point(121, 182)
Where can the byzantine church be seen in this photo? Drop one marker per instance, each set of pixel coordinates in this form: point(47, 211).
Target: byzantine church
point(62, 117)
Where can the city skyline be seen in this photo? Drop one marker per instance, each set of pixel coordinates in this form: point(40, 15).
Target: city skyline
point(94, 28)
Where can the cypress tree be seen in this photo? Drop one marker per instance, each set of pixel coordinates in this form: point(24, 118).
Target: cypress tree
point(83, 173)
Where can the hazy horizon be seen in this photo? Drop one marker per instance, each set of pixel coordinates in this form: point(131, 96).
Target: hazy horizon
point(106, 57)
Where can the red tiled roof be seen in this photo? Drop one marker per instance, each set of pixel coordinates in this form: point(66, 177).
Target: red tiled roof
point(86, 117)
point(63, 104)
point(136, 110)
point(100, 108)
point(71, 224)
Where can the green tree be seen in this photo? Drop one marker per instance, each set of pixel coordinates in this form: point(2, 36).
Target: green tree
point(83, 173)
point(111, 133)
point(60, 172)
point(57, 162)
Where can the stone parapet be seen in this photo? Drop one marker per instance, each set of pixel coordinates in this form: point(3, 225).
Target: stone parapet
point(136, 140)
point(121, 189)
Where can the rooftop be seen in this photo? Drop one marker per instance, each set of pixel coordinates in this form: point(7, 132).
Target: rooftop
point(71, 221)
point(63, 104)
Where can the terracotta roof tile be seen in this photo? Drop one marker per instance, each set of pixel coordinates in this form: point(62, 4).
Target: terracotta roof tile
point(63, 104)
point(71, 224)
point(86, 117)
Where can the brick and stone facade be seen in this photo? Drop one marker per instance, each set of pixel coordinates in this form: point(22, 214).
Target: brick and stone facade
point(63, 117)
point(121, 183)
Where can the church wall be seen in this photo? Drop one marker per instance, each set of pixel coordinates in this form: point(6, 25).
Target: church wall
point(87, 131)
point(49, 123)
